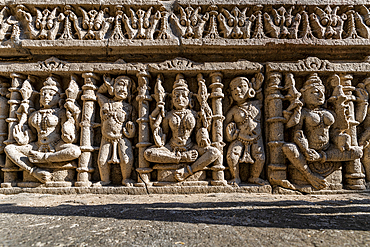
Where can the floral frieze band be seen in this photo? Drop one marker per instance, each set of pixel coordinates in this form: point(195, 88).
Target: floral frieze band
point(177, 21)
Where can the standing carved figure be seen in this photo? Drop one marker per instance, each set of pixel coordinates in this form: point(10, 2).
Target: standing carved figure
point(313, 153)
point(117, 128)
point(243, 129)
point(47, 122)
point(180, 123)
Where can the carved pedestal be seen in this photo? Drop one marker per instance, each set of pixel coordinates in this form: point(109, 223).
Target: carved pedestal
point(62, 175)
point(165, 176)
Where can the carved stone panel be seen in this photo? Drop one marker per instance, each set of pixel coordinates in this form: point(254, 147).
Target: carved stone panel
point(316, 116)
point(166, 95)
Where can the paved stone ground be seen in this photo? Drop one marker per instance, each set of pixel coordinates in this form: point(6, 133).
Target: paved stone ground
point(185, 220)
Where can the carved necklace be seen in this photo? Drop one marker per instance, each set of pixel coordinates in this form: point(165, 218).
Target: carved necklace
point(179, 115)
point(248, 116)
point(44, 115)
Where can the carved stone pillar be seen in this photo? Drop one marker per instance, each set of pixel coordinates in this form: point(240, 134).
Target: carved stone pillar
point(4, 113)
point(10, 170)
point(353, 178)
point(143, 99)
point(87, 132)
point(217, 127)
point(277, 169)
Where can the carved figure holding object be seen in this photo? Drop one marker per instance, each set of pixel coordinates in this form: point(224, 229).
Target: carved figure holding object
point(293, 113)
point(312, 147)
point(46, 124)
point(180, 149)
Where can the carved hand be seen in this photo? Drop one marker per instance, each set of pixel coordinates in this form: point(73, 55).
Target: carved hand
point(312, 155)
point(72, 107)
point(129, 130)
point(259, 80)
point(36, 157)
point(361, 93)
point(231, 131)
point(20, 136)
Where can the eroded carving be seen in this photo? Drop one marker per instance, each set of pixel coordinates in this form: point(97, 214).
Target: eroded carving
point(93, 24)
point(235, 24)
point(282, 24)
point(117, 128)
point(45, 25)
point(326, 23)
point(180, 122)
point(243, 129)
point(191, 22)
point(324, 138)
point(39, 144)
point(142, 24)
point(52, 63)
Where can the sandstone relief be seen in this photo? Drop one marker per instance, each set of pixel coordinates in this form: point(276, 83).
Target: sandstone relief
point(119, 22)
point(173, 94)
point(321, 108)
point(298, 126)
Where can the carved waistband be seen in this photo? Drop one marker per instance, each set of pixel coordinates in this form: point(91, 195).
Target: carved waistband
point(111, 139)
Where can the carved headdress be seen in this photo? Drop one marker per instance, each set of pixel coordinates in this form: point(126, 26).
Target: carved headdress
point(180, 83)
point(313, 81)
point(251, 92)
point(52, 83)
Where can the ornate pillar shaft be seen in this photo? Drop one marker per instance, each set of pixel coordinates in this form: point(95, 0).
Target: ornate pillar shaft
point(87, 123)
point(277, 169)
point(4, 114)
point(10, 170)
point(217, 126)
point(143, 99)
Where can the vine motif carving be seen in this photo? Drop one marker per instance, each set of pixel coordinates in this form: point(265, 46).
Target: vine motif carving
point(52, 63)
point(67, 22)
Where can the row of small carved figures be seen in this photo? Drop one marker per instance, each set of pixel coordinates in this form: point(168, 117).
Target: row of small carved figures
point(254, 22)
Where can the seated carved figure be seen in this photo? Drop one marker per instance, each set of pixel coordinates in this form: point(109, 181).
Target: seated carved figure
point(180, 123)
point(49, 147)
point(316, 142)
point(243, 130)
point(116, 128)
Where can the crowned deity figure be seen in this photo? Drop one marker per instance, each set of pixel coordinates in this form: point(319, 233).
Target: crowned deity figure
point(179, 124)
point(44, 140)
point(323, 138)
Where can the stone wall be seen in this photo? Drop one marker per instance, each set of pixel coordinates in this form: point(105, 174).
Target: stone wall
point(185, 94)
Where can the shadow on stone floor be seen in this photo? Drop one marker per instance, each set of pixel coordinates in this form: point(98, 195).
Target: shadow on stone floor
point(300, 214)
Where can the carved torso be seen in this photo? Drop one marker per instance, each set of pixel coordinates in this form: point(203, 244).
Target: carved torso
point(182, 123)
point(247, 118)
point(47, 124)
point(316, 127)
point(114, 115)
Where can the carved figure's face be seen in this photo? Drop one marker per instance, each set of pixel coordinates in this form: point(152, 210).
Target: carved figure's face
point(314, 96)
point(49, 98)
point(180, 98)
point(121, 88)
point(239, 90)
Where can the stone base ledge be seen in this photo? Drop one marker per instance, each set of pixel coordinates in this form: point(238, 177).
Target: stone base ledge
point(169, 190)
point(141, 190)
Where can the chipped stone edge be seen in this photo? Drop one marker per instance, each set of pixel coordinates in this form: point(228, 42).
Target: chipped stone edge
point(140, 190)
